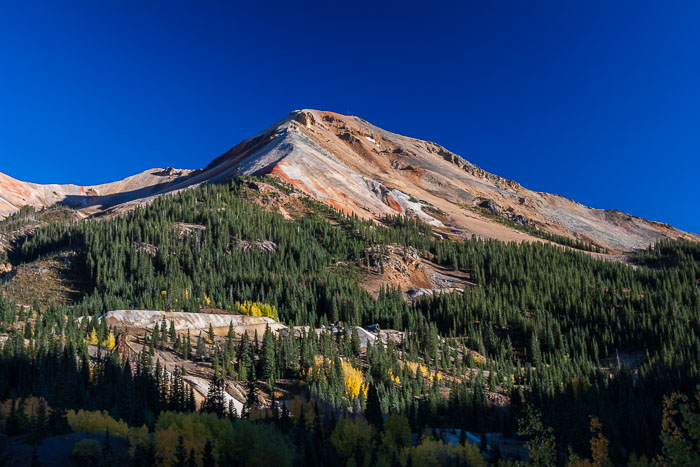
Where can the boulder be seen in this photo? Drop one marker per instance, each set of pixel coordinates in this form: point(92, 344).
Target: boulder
point(492, 206)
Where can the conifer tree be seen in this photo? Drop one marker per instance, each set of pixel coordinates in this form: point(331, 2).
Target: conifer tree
point(172, 333)
point(201, 347)
point(268, 358)
point(192, 459)
point(180, 453)
point(251, 401)
point(107, 456)
point(208, 459)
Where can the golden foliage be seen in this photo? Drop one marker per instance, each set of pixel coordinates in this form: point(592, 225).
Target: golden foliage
point(425, 371)
point(138, 437)
point(478, 358)
point(300, 406)
point(599, 448)
point(354, 381)
point(92, 338)
point(542, 444)
point(96, 422)
point(195, 428)
point(681, 444)
point(166, 441)
point(257, 309)
point(110, 342)
point(436, 453)
point(317, 369)
point(30, 406)
point(394, 379)
point(599, 444)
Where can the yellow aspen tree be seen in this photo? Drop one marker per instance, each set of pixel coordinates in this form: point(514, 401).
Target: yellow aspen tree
point(110, 342)
point(92, 339)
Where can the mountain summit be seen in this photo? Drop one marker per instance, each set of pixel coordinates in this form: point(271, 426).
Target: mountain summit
point(358, 168)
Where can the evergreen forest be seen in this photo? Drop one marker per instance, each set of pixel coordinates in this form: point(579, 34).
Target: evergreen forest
point(582, 360)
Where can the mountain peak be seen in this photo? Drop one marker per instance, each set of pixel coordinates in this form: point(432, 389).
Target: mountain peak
point(361, 169)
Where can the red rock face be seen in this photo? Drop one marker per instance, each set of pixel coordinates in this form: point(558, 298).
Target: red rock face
point(393, 204)
point(278, 171)
point(14, 187)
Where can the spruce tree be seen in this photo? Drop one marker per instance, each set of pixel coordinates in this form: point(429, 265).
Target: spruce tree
point(355, 342)
point(180, 453)
point(251, 401)
point(172, 333)
point(373, 410)
point(107, 455)
point(208, 459)
point(268, 358)
point(201, 347)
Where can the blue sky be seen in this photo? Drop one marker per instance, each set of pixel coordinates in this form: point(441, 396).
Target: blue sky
point(598, 101)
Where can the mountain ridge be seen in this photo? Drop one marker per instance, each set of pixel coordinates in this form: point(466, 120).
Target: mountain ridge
point(361, 169)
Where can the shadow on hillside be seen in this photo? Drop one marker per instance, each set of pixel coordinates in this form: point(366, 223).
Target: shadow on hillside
point(106, 201)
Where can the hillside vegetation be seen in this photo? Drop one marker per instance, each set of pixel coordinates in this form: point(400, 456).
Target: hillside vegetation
point(547, 335)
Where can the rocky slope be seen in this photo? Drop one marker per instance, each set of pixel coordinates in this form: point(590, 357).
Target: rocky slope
point(87, 199)
point(358, 168)
point(350, 164)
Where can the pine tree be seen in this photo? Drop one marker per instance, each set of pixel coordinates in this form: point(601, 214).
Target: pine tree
point(268, 358)
point(373, 411)
point(58, 420)
point(355, 342)
point(192, 459)
point(187, 347)
point(251, 401)
point(180, 453)
point(172, 333)
point(201, 348)
point(215, 401)
point(208, 459)
point(39, 426)
point(534, 349)
point(107, 457)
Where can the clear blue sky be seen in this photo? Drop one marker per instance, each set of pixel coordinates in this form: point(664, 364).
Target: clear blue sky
point(598, 101)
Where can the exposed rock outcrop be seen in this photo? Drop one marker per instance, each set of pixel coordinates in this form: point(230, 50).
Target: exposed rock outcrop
point(261, 245)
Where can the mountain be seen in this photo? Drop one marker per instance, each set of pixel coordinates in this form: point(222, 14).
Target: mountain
point(87, 199)
point(358, 168)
